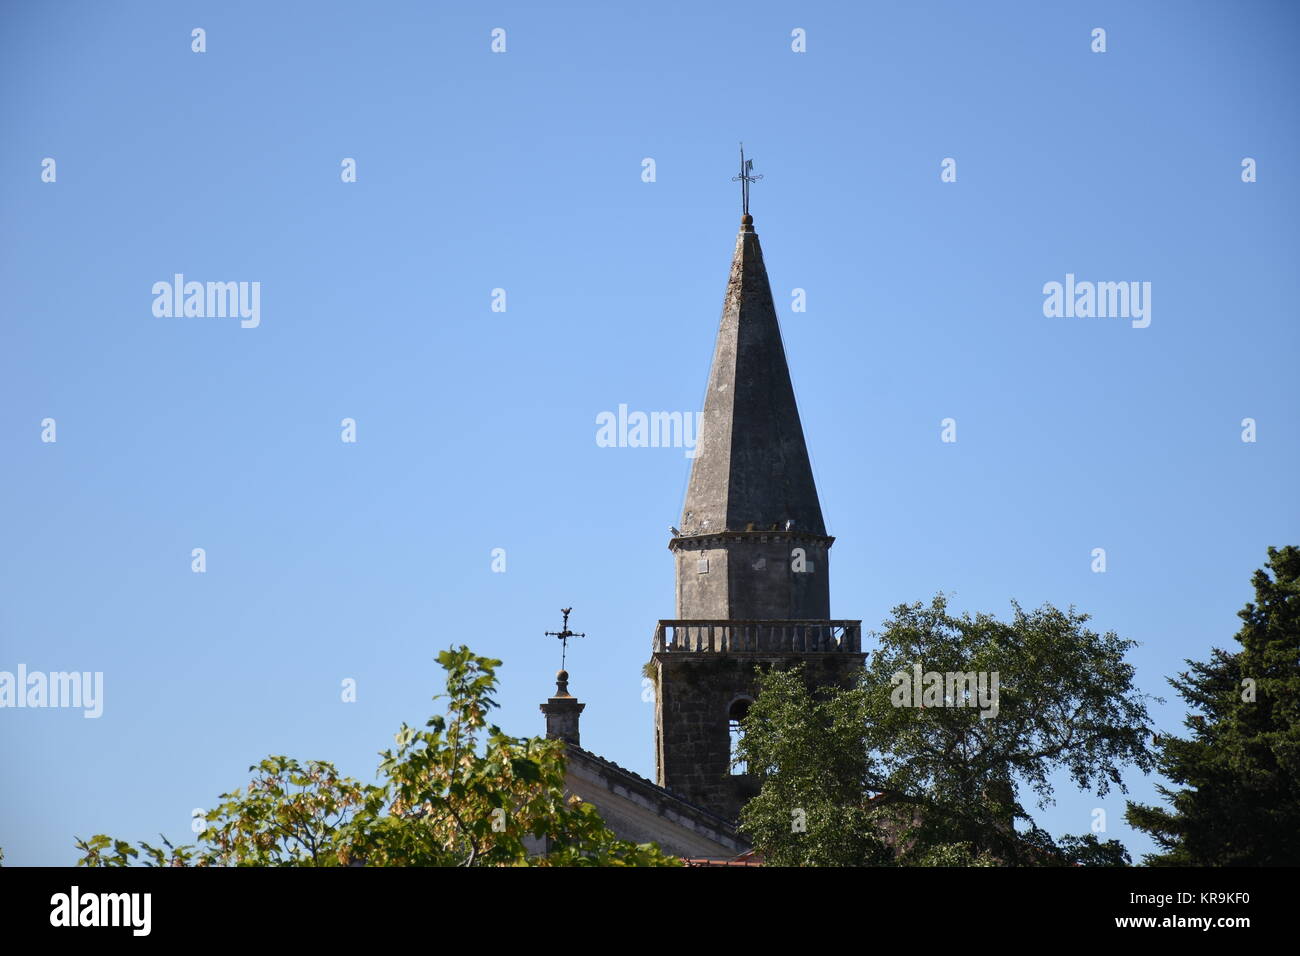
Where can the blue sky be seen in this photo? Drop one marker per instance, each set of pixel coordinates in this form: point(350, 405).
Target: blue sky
point(476, 429)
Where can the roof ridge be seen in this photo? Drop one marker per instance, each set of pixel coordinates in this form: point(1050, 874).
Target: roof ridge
point(648, 782)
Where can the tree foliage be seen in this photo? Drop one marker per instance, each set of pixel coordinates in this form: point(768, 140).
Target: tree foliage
point(1238, 799)
point(940, 783)
point(460, 792)
point(811, 755)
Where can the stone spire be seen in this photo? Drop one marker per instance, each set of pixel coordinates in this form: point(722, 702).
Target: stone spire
point(751, 471)
point(752, 556)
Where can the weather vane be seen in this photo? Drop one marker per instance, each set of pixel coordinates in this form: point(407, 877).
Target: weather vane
point(564, 635)
point(745, 178)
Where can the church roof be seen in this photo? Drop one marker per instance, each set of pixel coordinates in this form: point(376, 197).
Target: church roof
point(646, 785)
point(752, 465)
point(639, 810)
point(748, 858)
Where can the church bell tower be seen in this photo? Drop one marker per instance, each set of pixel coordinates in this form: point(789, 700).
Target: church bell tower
point(752, 554)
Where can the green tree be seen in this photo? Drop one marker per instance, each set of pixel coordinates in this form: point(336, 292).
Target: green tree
point(867, 778)
point(458, 793)
point(811, 754)
point(1087, 850)
point(1238, 799)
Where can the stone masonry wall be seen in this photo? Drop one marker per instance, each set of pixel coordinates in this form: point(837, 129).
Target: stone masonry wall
point(696, 693)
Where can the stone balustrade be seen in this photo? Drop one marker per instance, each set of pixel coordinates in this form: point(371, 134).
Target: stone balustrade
point(803, 637)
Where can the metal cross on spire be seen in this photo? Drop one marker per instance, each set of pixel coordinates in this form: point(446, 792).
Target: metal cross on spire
point(564, 634)
point(745, 178)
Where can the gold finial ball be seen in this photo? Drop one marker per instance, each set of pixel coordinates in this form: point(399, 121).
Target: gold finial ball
point(562, 675)
point(747, 220)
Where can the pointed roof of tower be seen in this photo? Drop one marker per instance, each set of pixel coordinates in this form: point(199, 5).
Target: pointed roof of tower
point(751, 465)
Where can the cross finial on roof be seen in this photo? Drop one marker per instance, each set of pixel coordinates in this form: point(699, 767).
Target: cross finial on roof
point(745, 178)
point(564, 634)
